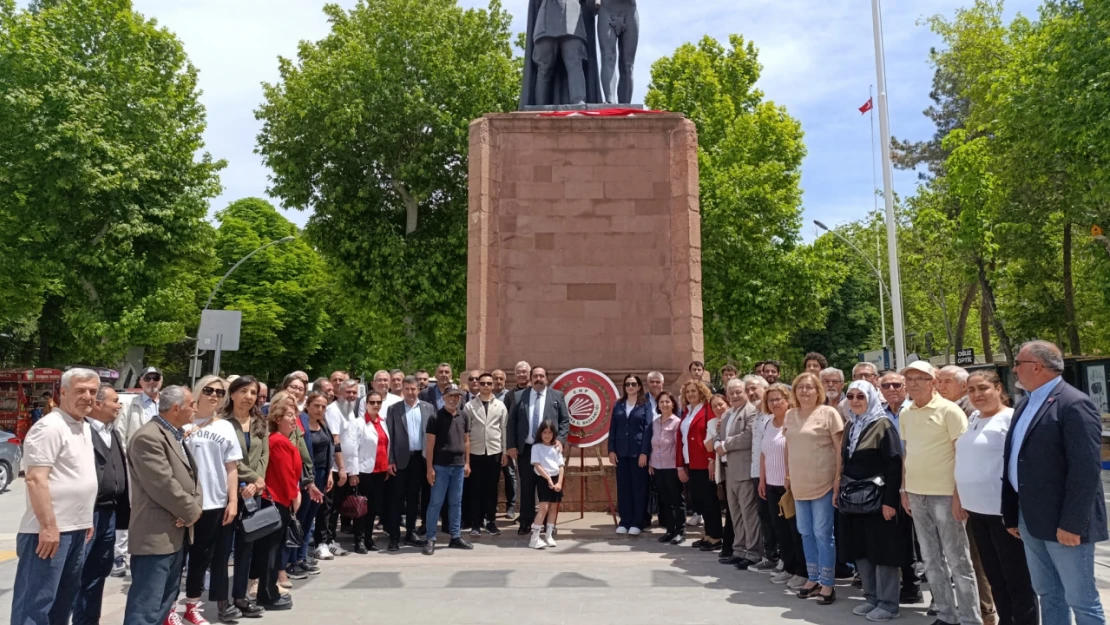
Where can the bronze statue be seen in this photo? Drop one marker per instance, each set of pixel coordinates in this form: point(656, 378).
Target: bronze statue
point(560, 53)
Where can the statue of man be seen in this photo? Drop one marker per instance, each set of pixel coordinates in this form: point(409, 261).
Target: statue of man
point(560, 61)
point(618, 30)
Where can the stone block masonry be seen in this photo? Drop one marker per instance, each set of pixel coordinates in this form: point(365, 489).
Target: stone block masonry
point(584, 243)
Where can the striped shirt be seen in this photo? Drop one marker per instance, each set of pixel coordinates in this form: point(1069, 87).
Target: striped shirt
point(773, 448)
point(664, 439)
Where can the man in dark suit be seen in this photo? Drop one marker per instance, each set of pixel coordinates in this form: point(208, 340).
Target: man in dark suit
point(434, 393)
point(510, 470)
point(406, 421)
point(112, 505)
point(1052, 495)
point(165, 503)
point(532, 407)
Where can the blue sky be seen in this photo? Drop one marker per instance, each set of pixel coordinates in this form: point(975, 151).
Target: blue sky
point(818, 58)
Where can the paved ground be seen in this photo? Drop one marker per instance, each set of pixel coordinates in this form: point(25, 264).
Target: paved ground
point(591, 575)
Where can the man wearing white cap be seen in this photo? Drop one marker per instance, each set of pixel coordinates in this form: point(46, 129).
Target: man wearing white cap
point(930, 426)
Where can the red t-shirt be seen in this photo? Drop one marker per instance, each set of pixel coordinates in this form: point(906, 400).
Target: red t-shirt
point(283, 474)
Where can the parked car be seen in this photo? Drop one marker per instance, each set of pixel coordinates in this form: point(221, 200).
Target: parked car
point(10, 455)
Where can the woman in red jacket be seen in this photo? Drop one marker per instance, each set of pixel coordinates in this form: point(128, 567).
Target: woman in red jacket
point(694, 461)
point(283, 488)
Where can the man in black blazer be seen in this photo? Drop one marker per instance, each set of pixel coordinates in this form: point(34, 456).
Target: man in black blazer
point(406, 421)
point(112, 510)
point(531, 407)
point(434, 393)
point(1052, 496)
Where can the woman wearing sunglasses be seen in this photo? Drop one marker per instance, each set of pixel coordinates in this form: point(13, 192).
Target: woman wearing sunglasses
point(216, 454)
point(872, 451)
point(629, 448)
point(365, 445)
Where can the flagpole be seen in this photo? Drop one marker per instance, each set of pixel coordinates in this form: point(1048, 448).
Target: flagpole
point(888, 191)
point(875, 201)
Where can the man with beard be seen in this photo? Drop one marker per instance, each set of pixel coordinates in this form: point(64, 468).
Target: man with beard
point(533, 406)
point(771, 371)
point(499, 390)
point(338, 416)
point(323, 385)
point(422, 379)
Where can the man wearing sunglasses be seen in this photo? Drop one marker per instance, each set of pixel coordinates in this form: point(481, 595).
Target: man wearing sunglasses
point(488, 418)
point(893, 387)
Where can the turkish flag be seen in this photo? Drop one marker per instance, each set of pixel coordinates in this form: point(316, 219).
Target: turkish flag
point(867, 106)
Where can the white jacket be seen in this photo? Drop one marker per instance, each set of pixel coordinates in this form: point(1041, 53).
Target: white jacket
point(135, 418)
point(360, 445)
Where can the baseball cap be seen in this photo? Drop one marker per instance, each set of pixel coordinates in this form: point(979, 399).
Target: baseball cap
point(144, 372)
point(452, 390)
point(920, 365)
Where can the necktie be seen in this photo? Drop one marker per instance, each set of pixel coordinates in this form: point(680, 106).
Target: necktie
point(536, 414)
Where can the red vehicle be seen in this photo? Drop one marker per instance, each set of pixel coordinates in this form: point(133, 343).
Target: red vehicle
point(20, 391)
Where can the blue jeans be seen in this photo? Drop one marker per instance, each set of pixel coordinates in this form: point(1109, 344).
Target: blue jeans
point(815, 524)
point(99, 555)
point(1064, 578)
point(448, 486)
point(45, 589)
point(155, 583)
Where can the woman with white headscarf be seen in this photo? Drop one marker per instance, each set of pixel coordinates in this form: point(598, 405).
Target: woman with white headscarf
point(868, 496)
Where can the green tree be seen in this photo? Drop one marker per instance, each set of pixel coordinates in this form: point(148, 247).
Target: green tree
point(369, 129)
point(103, 196)
point(282, 291)
point(758, 284)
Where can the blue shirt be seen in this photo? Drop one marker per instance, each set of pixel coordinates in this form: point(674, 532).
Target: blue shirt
point(414, 423)
point(1020, 426)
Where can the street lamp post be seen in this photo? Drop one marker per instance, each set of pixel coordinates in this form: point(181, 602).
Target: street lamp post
point(196, 352)
point(878, 274)
point(888, 191)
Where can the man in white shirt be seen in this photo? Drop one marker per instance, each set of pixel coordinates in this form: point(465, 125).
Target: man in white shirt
point(381, 383)
point(61, 495)
point(338, 415)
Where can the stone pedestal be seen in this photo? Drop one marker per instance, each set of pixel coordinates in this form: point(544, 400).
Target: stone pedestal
point(584, 243)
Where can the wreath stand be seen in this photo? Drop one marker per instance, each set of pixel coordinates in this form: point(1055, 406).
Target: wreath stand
point(583, 472)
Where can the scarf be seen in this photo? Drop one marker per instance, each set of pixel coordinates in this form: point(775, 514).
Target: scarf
point(874, 413)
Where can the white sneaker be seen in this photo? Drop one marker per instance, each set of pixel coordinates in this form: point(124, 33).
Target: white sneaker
point(781, 578)
point(536, 542)
point(694, 520)
point(796, 582)
point(635, 531)
point(550, 538)
point(622, 529)
point(323, 553)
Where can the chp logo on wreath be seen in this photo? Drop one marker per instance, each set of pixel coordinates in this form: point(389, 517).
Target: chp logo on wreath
point(590, 396)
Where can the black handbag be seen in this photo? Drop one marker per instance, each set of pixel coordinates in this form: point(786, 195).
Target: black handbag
point(259, 522)
point(861, 496)
point(294, 534)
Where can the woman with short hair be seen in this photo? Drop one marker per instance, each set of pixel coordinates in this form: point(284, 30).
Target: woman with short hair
point(694, 460)
point(814, 434)
point(666, 436)
point(283, 490)
point(366, 452)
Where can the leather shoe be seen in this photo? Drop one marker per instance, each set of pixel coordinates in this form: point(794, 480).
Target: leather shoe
point(708, 546)
point(429, 547)
point(459, 543)
point(249, 608)
point(743, 564)
point(360, 548)
point(394, 546)
point(523, 531)
point(413, 541)
point(284, 602)
point(370, 546)
point(666, 537)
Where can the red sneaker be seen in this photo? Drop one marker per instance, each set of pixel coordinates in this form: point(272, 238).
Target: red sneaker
point(193, 614)
point(173, 618)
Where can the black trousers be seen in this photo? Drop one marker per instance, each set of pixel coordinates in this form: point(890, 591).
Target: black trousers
point(509, 471)
point(408, 492)
point(208, 552)
point(485, 472)
point(339, 495)
point(672, 505)
point(911, 584)
point(243, 557)
point(371, 486)
point(786, 535)
point(703, 491)
point(527, 495)
point(770, 544)
point(266, 562)
point(1007, 571)
point(321, 533)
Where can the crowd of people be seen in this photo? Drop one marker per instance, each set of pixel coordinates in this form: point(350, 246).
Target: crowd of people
point(237, 492)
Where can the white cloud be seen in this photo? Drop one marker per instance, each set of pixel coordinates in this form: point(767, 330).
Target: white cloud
point(818, 61)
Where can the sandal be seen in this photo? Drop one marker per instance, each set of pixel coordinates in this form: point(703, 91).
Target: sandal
point(826, 599)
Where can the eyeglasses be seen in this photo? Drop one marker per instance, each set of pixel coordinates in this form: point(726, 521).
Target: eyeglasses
point(856, 397)
point(152, 377)
point(864, 376)
point(1018, 363)
point(209, 391)
point(472, 379)
point(371, 402)
point(805, 387)
point(631, 383)
point(485, 383)
point(918, 380)
point(890, 385)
